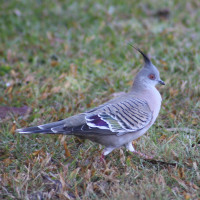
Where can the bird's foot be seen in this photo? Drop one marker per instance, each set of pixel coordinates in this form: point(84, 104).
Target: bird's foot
point(105, 152)
point(102, 158)
point(142, 155)
point(131, 148)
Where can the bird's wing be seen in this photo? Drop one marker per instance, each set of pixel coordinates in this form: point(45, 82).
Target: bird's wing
point(127, 115)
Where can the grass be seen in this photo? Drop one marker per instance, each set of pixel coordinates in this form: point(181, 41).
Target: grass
point(62, 57)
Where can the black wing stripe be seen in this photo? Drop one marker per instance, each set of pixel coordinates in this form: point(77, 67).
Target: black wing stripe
point(135, 100)
point(136, 117)
point(136, 109)
point(131, 110)
point(121, 120)
point(130, 118)
point(139, 101)
point(133, 103)
point(132, 115)
point(123, 117)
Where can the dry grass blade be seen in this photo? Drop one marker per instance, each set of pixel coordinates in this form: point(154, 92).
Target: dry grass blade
point(187, 130)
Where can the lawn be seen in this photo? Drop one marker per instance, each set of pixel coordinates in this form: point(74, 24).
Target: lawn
point(59, 58)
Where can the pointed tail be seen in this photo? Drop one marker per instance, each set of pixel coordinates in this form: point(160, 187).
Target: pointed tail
point(51, 128)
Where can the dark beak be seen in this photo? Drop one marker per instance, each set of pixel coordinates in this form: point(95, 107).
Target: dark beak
point(161, 82)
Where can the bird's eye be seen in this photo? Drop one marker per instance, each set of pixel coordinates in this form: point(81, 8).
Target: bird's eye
point(152, 77)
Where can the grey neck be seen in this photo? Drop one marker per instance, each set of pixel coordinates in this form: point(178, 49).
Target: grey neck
point(140, 86)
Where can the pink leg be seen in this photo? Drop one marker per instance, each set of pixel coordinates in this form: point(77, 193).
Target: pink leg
point(105, 152)
point(102, 158)
point(130, 147)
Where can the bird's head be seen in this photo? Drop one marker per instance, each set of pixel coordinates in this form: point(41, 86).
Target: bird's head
point(149, 75)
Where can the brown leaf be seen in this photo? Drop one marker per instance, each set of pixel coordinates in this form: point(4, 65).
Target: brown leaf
point(67, 153)
point(195, 122)
point(181, 173)
point(2, 100)
point(36, 153)
point(172, 116)
point(162, 138)
point(187, 196)
point(9, 89)
point(23, 123)
point(98, 61)
point(7, 161)
point(163, 63)
point(173, 92)
point(54, 63)
point(62, 110)
point(13, 128)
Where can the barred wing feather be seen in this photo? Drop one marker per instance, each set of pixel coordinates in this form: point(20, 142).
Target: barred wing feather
point(121, 117)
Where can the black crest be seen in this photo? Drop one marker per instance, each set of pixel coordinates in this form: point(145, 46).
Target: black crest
point(146, 59)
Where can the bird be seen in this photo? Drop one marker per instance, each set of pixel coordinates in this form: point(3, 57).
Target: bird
point(119, 121)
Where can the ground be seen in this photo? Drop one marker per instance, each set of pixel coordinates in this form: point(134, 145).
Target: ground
point(59, 58)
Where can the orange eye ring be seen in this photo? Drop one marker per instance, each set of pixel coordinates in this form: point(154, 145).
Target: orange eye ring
point(152, 76)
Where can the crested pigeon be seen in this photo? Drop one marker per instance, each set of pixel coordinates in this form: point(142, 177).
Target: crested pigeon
point(119, 121)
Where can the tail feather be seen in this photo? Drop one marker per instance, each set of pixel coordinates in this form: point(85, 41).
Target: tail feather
point(35, 129)
point(44, 129)
point(27, 131)
point(51, 125)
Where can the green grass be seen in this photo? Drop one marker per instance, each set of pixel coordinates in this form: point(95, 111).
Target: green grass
point(63, 57)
